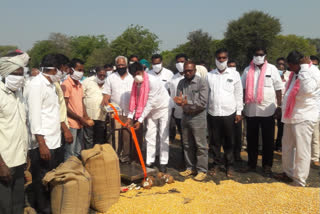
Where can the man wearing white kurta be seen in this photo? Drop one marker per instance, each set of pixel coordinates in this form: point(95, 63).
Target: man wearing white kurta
point(157, 112)
point(117, 89)
point(299, 123)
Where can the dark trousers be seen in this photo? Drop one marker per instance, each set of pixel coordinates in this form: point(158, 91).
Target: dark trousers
point(222, 128)
point(95, 134)
point(267, 128)
point(172, 129)
point(39, 168)
point(279, 134)
point(12, 194)
point(237, 139)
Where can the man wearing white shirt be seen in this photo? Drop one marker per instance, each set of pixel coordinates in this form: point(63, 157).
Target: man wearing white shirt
point(117, 89)
point(44, 117)
point(159, 71)
point(299, 115)
point(157, 111)
point(173, 84)
point(315, 143)
point(262, 86)
point(13, 136)
point(92, 90)
point(224, 109)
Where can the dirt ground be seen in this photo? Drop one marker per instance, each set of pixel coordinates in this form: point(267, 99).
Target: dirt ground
point(176, 165)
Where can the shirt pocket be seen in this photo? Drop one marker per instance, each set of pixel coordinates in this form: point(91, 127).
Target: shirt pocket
point(268, 81)
point(229, 85)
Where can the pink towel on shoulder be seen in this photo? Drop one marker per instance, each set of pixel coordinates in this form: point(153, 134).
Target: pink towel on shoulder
point(250, 84)
point(291, 101)
point(137, 104)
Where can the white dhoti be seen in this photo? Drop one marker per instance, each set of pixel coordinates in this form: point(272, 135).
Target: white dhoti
point(315, 144)
point(158, 122)
point(296, 150)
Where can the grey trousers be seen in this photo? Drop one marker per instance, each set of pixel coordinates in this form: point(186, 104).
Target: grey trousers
point(12, 194)
point(194, 132)
point(74, 149)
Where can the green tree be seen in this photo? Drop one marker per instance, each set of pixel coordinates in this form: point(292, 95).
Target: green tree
point(136, 40)
point(198, 48)
point(99, 57)
point(4, 49)
point(283, 45)
point(83, 46)
point(39, 50)
point(316, 43)
point(62, 43)
point(253, 29)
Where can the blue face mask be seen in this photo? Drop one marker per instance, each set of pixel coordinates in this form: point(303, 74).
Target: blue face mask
point(280, 72)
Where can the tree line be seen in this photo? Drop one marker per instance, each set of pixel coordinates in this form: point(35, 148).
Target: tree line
point(241, 36)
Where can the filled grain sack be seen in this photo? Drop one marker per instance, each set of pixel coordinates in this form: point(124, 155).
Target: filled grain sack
point(70, 186)
point(103, 165)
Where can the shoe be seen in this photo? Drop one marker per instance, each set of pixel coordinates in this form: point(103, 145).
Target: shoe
point(187, 172)
point(267, 171)
point(315, 164)
point(248, 169)
point(230, 173)
point(200, 176)
point(283, 177)
point(163, 168)
point(295, 184)
point(151, 165)
point(213, 171)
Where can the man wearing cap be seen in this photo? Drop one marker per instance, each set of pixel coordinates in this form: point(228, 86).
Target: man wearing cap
point(13, 136)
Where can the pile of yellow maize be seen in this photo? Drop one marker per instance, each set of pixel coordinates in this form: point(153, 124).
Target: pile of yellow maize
point(228, 197)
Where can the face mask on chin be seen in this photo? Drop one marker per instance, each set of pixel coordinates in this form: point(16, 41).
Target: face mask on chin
point(99, 81)
point(122, 71)
point(14, 83)
point(233, 68)
point(258, 60)
point(157, 68)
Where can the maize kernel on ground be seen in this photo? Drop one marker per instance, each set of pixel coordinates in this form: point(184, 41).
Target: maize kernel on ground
point(228, 197)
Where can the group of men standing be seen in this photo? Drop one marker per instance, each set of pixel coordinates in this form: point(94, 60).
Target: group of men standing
point(57, 114)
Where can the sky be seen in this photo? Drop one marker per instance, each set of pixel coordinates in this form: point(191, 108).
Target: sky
point(25, 22)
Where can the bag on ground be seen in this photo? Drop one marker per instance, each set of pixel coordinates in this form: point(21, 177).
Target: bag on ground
point(103, 165)
point(70, 186)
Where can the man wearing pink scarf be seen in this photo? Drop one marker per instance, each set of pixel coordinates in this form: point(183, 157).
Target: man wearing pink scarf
point(262, 86)
point(150, 100)
point(300, 115)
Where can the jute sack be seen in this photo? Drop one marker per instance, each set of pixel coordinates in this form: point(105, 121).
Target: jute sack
point(70, 186)
point(103, 165)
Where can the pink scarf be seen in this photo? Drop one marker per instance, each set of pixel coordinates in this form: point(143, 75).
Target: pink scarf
point(291, 101)
point(250, 84)
point(138, 103)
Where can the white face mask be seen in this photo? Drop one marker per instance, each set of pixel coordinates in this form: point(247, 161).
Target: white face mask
point(179, 66)
point(77, 75)
point(221, 65)
point(157, 68)
point(258, 60)
point(14, 83)
point(54, 78)
point(138, 79)
point(233, 68)
point(99, 81)
point(131, 62)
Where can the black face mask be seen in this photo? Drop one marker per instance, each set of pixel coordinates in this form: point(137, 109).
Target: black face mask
point(121, 71)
